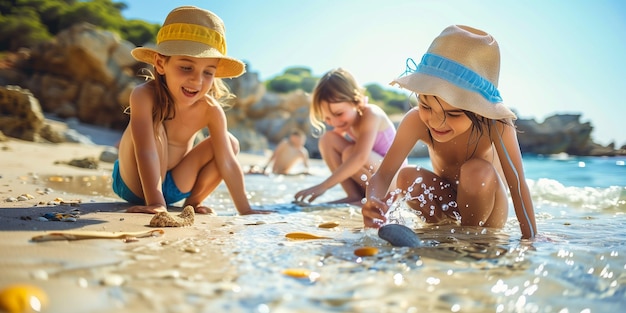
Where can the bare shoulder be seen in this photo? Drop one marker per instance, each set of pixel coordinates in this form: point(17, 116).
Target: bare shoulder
point(412, 123)
point(375, 119)
point(282, 145)
point(142, 101)
point(374, 110)
point(143, 91)
point(503, 130)
point(214, 112)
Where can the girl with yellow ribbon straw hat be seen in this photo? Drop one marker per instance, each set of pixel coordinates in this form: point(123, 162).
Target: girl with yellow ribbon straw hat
point(159, 164)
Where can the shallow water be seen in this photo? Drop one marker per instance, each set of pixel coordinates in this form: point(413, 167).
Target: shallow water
point(577, 263)
point(91, 185)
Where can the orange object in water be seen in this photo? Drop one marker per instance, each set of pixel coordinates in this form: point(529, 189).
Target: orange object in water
point(366, 251)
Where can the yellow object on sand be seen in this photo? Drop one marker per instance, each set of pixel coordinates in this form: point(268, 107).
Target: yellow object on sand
point(85, 234)
point(304, 236)
point(22, 298)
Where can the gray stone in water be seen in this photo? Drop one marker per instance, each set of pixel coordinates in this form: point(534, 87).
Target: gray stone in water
point(399, 236)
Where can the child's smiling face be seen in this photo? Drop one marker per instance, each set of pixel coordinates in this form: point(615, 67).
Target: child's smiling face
point(188, 78)
point(444, 121)
point(340, 115)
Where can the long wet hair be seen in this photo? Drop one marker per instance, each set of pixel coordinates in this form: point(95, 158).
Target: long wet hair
point(337, 85)
point(165, 108)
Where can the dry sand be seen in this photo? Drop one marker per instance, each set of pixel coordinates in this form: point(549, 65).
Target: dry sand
point(82, 275)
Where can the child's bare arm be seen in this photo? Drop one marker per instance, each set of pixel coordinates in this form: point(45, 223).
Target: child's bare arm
point(511, 158)
point(406, 137)
point(145, 146)
point(226, 162)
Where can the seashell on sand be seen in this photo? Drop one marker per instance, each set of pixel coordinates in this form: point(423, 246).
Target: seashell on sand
point(165, 219)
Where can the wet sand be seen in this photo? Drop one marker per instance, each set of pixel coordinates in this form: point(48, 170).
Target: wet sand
point(88, 275)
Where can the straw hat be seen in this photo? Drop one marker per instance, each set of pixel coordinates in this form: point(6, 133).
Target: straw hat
point(461, 66)
point(193, 32)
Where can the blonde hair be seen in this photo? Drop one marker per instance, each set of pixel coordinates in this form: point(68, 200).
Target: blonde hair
point(165, 109)
point(337, 85)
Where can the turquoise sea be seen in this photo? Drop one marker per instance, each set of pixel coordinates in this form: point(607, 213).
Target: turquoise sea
point(577, 263)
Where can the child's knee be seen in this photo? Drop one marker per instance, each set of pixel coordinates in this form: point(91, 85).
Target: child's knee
point(328, 139)
point(477, 175)
point(409, 177)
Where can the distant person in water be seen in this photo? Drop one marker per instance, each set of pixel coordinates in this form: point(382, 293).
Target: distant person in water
point(287, 154)
point(360, 137)
point(158, 163)
point(471, 139)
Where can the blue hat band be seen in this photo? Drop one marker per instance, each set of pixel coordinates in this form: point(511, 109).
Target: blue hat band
point(457, 74)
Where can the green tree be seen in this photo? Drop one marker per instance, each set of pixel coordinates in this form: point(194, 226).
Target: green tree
point(103, 13)
point(299, 71)
point(376, 92)
point(50, 11)
point(139, 32)
point(308, 83)
point(22, 28)
point(293, 78)
point(284, 83)
point(24, 23)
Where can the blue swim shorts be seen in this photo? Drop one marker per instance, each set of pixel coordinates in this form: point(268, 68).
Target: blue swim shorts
point(170, 191)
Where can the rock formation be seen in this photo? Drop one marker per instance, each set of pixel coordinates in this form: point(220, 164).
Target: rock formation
point(562, 133)
point(87, 74)
point(21, 117)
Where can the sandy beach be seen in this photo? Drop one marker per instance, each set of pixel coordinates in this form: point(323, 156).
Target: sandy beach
point(231, 263)
point(78, 276)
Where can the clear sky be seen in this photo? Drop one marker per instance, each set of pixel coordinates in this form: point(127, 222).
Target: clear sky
point(558, 56)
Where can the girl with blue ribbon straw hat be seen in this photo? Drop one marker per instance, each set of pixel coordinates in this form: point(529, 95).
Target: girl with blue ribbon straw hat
point(159, 164)
point(471, 140)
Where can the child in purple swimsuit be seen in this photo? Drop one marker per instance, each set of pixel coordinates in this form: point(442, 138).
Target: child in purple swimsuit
point(360, 137)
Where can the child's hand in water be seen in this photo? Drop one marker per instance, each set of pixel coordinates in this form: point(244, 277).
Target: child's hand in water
point(374, 213)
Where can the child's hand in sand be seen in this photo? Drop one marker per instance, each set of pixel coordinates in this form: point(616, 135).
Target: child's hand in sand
point(200, 209)
point(150, 209)
point(310, 194)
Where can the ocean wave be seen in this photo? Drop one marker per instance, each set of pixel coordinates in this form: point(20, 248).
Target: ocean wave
point(611, 198)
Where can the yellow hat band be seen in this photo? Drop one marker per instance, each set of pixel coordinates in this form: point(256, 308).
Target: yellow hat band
point(192, 32)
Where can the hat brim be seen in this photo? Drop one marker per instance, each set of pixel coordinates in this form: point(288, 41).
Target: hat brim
point(457, 97)
point(228, 67)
